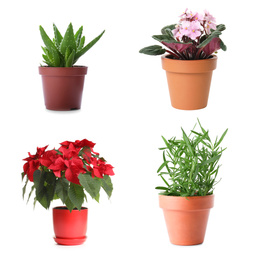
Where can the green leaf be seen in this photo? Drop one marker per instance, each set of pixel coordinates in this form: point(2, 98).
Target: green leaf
point(24, 187)
point(68, 40)
point(187, 141)
point(56, 58)
point(221, 139)
point(214, 34)
point(62, 187)
point(76, 195)
point(153, 50)
point(81, 44)
point(69, 204)
point(47, 41)
point(88, 46)
point(70, 60)
point(57, 35)
point(78, 36)
point(213, 159)
point(29, 196)
point(165, 30)
point(91, 185)
point(107, 185)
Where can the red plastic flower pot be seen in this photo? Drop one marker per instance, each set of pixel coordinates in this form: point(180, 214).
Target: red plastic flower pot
point(70, 227)
point(63, 87)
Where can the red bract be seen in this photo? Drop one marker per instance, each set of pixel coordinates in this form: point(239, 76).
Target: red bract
point(100, 168)
point(74, 168)
point(48, 158)
point(33, 162)
point(58, 166)
point(79, 144)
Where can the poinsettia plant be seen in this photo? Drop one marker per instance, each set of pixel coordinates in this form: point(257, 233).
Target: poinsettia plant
point(196, 36)
point(67, 173)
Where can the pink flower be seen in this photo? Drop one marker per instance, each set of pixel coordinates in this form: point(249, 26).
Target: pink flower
point(177, 33)
point(198, 17)
point(209, 25)
point(185, 29)
point(194, 30)
point(208, 17)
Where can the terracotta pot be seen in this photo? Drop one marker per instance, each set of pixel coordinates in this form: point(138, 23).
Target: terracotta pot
point(186, 218)
point(189, 81)
point(63, 87)
point(70, 227)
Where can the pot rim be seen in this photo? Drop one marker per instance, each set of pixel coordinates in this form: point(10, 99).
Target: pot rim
point(63, 71)
point(186, 203)
point(214, 57)
point(65, 208)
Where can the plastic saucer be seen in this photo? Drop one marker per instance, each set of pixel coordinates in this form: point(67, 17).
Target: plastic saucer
point(70, 241)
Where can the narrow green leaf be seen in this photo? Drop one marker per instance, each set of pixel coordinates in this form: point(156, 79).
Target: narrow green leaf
point(221, 139)
point(24, 187)
point(213, 159)
point(76, 195)
point(187, 141)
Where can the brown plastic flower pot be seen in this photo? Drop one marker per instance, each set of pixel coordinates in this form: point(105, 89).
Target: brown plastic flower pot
point(186, 218)
point(63, 87)
point(189, 81)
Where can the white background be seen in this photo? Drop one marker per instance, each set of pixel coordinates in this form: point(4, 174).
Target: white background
point(125, 110)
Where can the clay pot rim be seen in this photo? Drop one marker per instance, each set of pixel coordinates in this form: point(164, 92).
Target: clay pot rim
point(65, 208)
point(165, 56)
point(63, 71)
point(186, 203)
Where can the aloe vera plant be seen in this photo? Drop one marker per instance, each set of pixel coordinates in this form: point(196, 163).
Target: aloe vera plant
point(191, 163)
point(65, 51)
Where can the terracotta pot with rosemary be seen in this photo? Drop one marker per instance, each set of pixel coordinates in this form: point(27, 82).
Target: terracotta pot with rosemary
point(189, 60)
point(189, 172)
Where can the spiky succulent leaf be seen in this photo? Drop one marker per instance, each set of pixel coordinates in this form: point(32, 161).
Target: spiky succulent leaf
point(88, 46)
point(58, 36)
point(70, 60)
point(56, 58)
point(78, 36)
point(47, 41)
point(68, 40)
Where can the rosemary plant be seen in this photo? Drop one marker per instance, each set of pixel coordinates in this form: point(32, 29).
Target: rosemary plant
point(190, 164)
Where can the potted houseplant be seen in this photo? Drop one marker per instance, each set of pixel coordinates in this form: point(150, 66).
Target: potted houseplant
point(191, 164)
point(189, 61)
point(62, 81)
point(68, 174)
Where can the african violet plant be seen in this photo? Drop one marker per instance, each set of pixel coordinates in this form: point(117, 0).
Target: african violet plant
point(65, 51)
point(67, 174)
point(196, 36)
point(191, 163)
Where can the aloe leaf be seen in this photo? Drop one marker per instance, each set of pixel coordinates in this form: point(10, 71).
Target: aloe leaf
point(70, 60)
point(77, 36)
point(68, 40)
point(88, 46)
point(47, 41)
point(153, 50)
point(81, 44)
point(57, 35)
point(56, 58)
